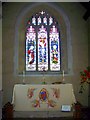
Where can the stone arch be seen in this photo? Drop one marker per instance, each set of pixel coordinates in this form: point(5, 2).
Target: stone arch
point(61, 17)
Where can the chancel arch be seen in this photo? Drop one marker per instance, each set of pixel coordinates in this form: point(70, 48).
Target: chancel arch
point(64, 38)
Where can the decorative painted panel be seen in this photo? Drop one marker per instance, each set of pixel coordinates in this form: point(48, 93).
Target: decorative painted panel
point(42, 97)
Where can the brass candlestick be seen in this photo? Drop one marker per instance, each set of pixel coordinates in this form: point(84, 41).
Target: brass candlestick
point(23, 77)
point(63, 79)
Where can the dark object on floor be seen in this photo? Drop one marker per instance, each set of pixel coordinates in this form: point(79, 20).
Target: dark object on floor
point(77, 111)
point(7, 111)
point(86, 113)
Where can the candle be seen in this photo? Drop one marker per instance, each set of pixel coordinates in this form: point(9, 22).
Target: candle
point(63, 73)
point(63, 76)
point(23, 75)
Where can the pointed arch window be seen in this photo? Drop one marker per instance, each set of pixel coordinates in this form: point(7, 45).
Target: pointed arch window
point(43, 43)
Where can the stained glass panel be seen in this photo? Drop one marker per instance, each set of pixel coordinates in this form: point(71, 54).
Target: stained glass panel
point(30, 49)
point(39, 20)
point(45, 20)
point(34, 20)
point(42, 49)
point(54, 50)
point(50, 20)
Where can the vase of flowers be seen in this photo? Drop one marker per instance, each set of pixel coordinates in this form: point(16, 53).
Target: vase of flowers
point(85, 78)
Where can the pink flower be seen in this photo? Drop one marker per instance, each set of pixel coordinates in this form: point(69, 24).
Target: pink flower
point(85, 78)
point(88, 75)
point(86, 71)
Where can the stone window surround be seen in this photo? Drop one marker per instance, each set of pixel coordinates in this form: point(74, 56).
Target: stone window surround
point(68, 32)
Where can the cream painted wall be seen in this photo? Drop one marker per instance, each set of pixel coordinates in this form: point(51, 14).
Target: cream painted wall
point(79, 37)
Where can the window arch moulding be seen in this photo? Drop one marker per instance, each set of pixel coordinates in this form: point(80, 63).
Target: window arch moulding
point(20, 27)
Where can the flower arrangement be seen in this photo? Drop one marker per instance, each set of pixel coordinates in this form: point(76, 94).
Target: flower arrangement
point(85, 78)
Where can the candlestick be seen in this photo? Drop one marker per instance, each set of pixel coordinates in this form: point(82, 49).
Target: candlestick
point(23, 73)
point(63, 73)
point(23, 76)
point(63, 76)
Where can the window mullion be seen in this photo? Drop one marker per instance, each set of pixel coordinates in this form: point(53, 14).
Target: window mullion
point(48, 50)
point(60, 51)
point(36, 48)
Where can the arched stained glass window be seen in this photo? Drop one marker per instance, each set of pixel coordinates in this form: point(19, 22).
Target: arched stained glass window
point(43, 43)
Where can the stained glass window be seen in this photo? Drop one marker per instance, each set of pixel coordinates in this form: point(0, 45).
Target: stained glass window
point(43, 43)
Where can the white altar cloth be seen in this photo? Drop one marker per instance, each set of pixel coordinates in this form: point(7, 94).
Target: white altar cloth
point(49, 97)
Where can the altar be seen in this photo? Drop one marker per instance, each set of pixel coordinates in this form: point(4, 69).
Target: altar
point(48, 97)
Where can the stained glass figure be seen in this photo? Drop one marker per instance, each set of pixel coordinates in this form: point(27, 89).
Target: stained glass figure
point(34, 20)
point(54, 49)
point(45, 20)
point(50, 20)
point(42, 49)
point(30, 49)
point(39, 20)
